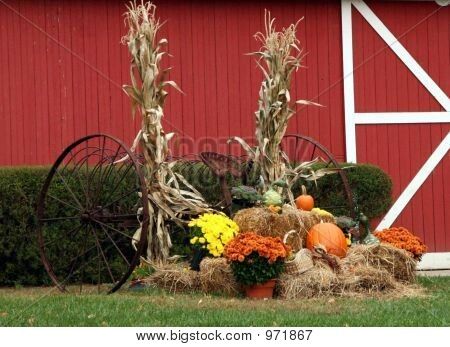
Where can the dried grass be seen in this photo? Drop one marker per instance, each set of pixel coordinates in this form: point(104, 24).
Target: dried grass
point(216, 277)
point(395, 261)
point(317, 282)
point(375, 270)
point(175, 278)
point(263, 222)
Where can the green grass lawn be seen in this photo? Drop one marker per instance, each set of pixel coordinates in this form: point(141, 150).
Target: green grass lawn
point(46, 307)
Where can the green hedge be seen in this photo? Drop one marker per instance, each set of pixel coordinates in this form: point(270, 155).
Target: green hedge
point(19, 255)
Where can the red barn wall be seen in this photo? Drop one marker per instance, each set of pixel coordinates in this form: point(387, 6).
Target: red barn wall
point(62, 67)
point(67, 83)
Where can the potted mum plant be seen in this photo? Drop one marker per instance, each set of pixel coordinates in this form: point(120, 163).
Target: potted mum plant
point(256, 262)
point(209, 234)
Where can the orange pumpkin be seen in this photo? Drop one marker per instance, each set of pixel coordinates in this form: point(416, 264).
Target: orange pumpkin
point(328, 235)
point(304, 201)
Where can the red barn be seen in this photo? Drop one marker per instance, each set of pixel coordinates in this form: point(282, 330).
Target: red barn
point(381, 68)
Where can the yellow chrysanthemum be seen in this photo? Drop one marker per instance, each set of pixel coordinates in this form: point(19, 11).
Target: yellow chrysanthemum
point(216, 231)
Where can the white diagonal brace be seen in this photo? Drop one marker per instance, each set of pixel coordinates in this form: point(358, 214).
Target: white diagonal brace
point(415, 184)
point(402, 53)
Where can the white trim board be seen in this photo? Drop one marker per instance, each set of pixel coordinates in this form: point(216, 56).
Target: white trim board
point(402, 117)
point(349, 97)
point(435, 261)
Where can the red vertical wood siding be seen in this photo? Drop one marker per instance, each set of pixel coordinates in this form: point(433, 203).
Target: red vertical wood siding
point(384, 84)
point(64, 78)
point(62, 67)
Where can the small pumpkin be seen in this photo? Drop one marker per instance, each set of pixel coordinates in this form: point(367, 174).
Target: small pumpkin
point(328, 235)
point(274, 209)
point(304, 201)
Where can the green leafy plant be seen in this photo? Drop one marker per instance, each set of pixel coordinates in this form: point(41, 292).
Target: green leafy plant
point(255, 269)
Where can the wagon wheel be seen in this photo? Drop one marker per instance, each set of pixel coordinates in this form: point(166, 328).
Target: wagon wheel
point(92, 199)
point(301, 148)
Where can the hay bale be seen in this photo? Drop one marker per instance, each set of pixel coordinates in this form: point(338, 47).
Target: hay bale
point(319, 281)
point(175, 278)
point(365, 279)
point(215, 276)
point(264, 222)
point(395, 261)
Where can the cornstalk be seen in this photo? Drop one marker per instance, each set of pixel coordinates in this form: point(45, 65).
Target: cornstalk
point(278, 57)
point(170, 196)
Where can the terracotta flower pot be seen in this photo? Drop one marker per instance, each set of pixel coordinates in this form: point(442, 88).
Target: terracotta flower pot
point(261, 291)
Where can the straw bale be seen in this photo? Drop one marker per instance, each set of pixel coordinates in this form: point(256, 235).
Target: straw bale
point(264, 222)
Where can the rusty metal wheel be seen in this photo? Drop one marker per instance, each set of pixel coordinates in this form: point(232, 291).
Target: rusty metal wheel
point(301, 148)
point(88, 211)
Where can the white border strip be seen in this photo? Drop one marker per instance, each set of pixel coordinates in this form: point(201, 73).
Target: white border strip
point(435, 261)
point(402, 53)
point(415, 184)
point(402, 117)
point(349, 98)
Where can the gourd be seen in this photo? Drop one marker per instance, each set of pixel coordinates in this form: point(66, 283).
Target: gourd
point(304, 201)
point(271, 197)
point(328, 235)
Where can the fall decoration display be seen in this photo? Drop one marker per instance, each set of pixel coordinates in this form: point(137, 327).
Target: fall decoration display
point(171, 197)
point(329, 236)
point(304, 201)
point(263, 222)
point(211, 232)
point(402, 238)
point(247, 252)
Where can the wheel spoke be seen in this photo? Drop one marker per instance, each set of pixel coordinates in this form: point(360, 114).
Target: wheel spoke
point(69, 189)
point(76, 170)
point(116, 230)
point(99, 249)
point(314, 151)
point(59, 219)
point(118, 199)
point(109, 170)
point(111, 192)
point(72, 231)
point(115, 245)
point(63, 202)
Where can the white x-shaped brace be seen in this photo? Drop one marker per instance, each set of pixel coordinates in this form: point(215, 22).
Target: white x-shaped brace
point(352, 118)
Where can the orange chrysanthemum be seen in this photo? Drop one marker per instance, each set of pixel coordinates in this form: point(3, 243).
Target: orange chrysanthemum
point(271, 248)
point(402, 238)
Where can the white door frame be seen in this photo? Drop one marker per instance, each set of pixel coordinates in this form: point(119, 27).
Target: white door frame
point(352, 119)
